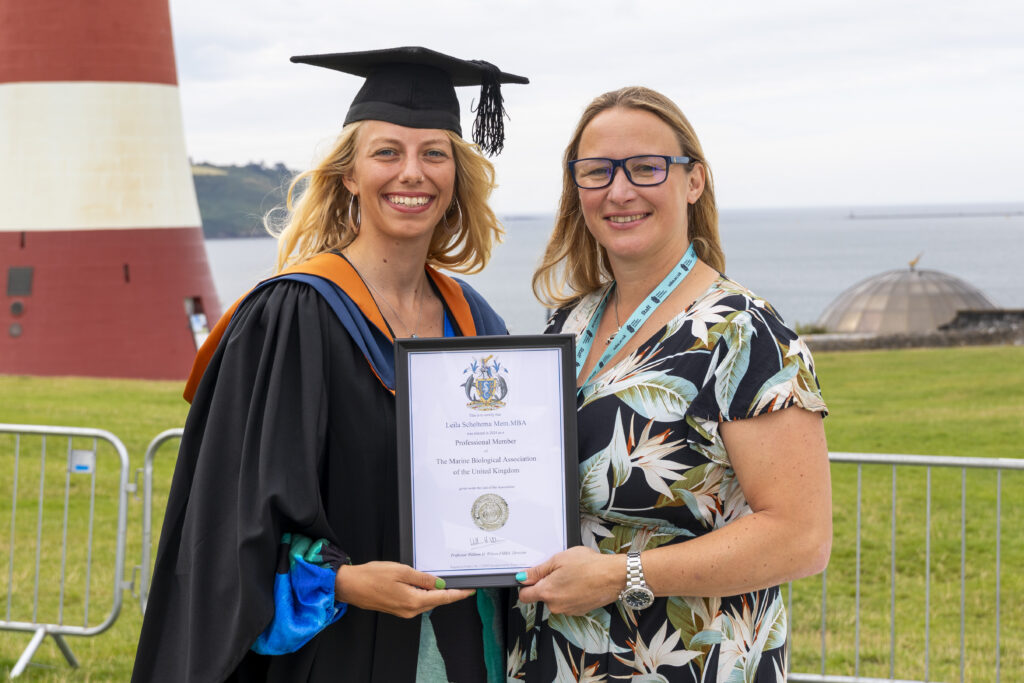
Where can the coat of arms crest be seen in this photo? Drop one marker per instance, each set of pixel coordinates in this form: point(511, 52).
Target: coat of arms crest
point(485, 387)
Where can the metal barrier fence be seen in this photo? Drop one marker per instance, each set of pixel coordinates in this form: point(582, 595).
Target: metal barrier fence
point(81, 462)
point(921, 579)
point(26, 452)
point(144, 567)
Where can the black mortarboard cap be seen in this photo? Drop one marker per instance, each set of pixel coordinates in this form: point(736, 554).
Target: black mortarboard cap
point(415, 87)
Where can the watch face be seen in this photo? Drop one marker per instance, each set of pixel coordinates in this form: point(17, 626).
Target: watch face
point(637, 598)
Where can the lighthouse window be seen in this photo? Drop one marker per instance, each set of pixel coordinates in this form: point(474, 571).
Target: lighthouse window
point(19, 280)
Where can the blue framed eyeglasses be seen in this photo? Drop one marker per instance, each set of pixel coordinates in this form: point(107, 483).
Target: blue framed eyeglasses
point(644, 170)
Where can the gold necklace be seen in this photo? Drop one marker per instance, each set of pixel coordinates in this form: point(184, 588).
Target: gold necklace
point(373, 290)
point(419, 309)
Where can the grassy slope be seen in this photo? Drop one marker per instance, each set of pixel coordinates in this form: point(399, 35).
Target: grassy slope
point(945, 401)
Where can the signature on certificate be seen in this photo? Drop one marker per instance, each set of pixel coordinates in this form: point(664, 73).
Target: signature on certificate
point(475, 541)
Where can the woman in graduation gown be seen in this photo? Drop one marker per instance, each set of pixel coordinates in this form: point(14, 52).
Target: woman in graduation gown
point(291, 435)
point(704, 478)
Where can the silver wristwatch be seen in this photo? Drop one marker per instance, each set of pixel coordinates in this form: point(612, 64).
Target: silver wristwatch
point(636, 594)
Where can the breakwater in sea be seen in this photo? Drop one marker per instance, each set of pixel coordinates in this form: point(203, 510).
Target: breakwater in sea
point(934, 215)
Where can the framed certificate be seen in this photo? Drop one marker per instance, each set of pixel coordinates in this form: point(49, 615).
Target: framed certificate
point(487, 463)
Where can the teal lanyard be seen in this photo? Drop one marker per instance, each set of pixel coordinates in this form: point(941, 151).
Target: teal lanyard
point(635, 321)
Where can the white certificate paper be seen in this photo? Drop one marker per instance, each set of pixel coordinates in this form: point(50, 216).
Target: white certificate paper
point(486, 447)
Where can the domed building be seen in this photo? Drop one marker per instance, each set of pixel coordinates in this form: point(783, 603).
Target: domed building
point(906, 301)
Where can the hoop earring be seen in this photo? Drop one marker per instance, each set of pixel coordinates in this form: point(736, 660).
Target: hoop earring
point(458, 225)
point(354, 222)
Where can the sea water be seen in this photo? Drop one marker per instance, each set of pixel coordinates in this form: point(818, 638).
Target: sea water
point(798, 259)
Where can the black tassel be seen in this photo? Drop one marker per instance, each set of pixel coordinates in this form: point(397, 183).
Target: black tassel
point(489, 125)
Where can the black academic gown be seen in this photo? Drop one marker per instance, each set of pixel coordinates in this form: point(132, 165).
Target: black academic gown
point(290, 430)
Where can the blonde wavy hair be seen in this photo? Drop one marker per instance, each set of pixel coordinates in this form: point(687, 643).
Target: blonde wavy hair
point(574, 264)
point(322, 215)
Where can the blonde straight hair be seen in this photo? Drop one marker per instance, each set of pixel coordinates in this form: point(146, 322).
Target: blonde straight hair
point(322, 215)
point(574, 264)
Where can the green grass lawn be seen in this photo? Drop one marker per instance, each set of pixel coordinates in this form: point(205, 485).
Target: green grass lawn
point(965, 402)
point(134, 411)
point(958, 402)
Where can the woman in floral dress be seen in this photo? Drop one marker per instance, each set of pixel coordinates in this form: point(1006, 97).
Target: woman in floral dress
point(704, 478)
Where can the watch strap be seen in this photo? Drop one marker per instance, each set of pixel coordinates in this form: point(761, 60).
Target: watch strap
point(634, 570)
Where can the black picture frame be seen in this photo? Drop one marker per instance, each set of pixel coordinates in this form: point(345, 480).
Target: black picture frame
point(564, 384)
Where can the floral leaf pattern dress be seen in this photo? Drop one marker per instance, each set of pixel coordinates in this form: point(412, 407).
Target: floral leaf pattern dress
point(654, 471)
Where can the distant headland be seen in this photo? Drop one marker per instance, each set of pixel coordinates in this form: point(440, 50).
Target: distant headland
point(234, 199)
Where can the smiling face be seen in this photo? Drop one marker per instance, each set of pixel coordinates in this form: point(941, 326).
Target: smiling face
point(404, 179)
point(638, 224)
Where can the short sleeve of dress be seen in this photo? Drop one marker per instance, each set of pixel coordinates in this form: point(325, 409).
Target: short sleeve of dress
point(756, 365)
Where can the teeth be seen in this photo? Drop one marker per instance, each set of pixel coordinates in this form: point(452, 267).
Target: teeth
point(408, 201)
point(625, 219)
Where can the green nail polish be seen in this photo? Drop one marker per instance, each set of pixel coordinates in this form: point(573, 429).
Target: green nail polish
point(521, 576)
point(439, 584)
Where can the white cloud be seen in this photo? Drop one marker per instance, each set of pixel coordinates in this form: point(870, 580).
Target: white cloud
point(797, 103)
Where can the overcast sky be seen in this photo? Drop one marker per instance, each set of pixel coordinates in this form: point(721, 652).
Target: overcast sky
point(847, 103)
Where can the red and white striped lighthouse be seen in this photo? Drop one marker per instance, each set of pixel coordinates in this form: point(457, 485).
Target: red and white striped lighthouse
point(103, 271)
